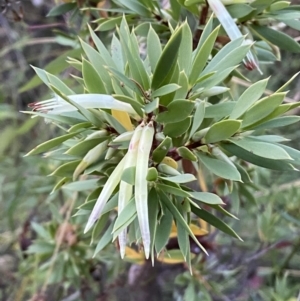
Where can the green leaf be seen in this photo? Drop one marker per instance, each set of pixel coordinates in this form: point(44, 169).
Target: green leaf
point(128, 213)
point(163, 231)
point(92, 80)
point(102, 49)
point(197, 117)
point(183, 82)
point(55, 66)
point(230, 55)
point(276, 37)
point(186, 153)
point(214, 221)
point(135, 104)
point(212, 79)
point(153, 206)
point(183, 178)
point(135, 64)
point(152, 174)
point(99, 226)
point(60, 184)
point(207, 198)
point(61, 9)
point(111, 120)
point(125, 81)
point(66, 170)
point(244, 174)
point(45, 146)
point(152, 106)
point(182, 234)
point(105, 239)
point(222, 130)
point(185, 49)
point(111, 23)
point(257, 160)
point(201, 56)
point(116, 53)
point(172, 190)
point(82, 147)
point(178, 110)
point(293, 153)
point(239, 10)
point(99, 64)
point(128, 175)
point(136, 7)
point(248, 98)
point(167, 62)
point(262, 149)
point(206, 32)
point(179, 218)
point(82, 185)
point(177, 129)
point(162, 149)
point(153, 48)
point(262, 108)
point(79, 126)
point(219, 167)
point(49, 79)
point(165, 90)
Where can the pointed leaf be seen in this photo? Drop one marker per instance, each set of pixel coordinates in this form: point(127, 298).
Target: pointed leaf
point(248, 98)
point(222, 130)
point(166, 64)
point(214, 221)
point(219, 167)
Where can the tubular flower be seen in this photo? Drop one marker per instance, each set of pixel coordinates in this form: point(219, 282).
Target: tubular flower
point(233, 31)
point(141, 184)
point(125, 191)
point(58, 105)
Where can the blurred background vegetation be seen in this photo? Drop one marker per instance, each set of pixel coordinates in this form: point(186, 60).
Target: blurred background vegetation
point(38, 263)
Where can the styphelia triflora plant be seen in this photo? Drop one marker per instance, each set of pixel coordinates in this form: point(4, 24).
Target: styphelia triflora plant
point(141, 116)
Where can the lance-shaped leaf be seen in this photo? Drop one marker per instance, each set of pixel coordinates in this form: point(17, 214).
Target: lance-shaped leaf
point(261, 148)
point(257, 160)
point(222, 130)
point(178, 110)
point(50, 144)
point(248, 98)
point(276, 37)
point(125, 191)
point(91, 157)
point(153, 47)
point(105, 194)
point(201, 56)
point(262, 108)
point(214, 221)
point(141, 184)
point(167, 62)
point(219, 167)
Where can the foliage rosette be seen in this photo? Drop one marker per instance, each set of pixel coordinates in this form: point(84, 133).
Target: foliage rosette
point(142, 117)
